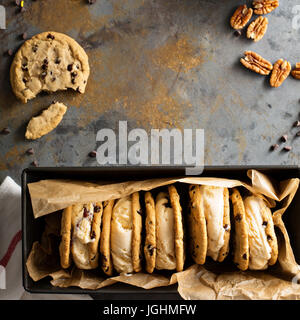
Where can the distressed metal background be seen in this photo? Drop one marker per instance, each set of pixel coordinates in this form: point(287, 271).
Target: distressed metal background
point(156, 64)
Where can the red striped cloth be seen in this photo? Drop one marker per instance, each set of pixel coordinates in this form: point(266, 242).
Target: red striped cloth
point(11, 248)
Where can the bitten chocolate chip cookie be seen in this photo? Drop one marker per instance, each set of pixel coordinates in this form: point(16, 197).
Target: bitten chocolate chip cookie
point(49, 61)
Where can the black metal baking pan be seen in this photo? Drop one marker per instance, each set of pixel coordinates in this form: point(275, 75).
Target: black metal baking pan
point(32, 228)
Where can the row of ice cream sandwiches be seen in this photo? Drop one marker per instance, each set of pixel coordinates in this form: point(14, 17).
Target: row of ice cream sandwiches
point(148, 229)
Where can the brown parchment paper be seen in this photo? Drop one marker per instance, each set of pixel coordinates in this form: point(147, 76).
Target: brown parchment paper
point(196, 282)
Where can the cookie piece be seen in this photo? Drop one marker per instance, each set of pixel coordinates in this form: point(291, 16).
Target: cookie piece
point(226, 225)
point(65, 232)
point(49, 61)
point(48, 120)
point(83, 225)
point(136, 233)
point(178, 228)
point(197, 226)
point(106, 261)
point(165, 234)
point(241, 250)
point(121, 235)
point(150, 241)
point(262, 239)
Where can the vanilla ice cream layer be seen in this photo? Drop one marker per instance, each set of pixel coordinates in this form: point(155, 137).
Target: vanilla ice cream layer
point(83, 223)
point(260, 250)
point(212, 202)
point(165, 242)
point(121, 235)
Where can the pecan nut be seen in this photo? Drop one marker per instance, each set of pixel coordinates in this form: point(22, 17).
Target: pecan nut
point(296, 71)
point(256, 63)
point(257, 28)
point(281, 70)
point(264, 6)
point(241, 17)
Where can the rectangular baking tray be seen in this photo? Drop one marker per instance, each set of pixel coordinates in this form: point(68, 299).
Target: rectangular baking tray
point(33, 228)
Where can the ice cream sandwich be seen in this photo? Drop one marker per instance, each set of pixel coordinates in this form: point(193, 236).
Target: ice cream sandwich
point(126, 228)
point(209, 222)
point(80, 234)
point(263, 247)
point(164, 244)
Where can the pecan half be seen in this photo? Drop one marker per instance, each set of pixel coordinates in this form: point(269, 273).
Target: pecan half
point(281, 70)
point(241, 17)
point(296, 71)
point(264, 6)
point(257, 28)
point(256, 63)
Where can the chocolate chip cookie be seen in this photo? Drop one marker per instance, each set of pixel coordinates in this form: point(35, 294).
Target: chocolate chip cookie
point(49, 61)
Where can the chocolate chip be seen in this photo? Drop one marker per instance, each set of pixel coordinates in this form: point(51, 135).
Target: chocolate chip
point(265, 223)
point(50, 36)
point(168, 205)
point(10, 52)
point(226, 227)
point(96, 209)
point(284, 138)
point(245, 256)
point(57, 61)
point(85, 212)
point(74, 74)
point(53, 79)
point(93, 235)
point(269, 237)
point(70, 67)
point(34, 163)
point(237, 33)
point(34, 48)
point(30, 151)
point(24, 36)
point(46, 61)
point(25, 80)
point(287, 148)
point(73, 81)
point(150, 249)
point(24, 68)
point(275, 146)
point(43, 74)
point(5, 131)
point(44, 67)
point(238, 217)
point(297, 123)
point(93, 154)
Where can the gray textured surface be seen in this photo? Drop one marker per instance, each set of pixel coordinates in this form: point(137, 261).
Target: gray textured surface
point(135, 48)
